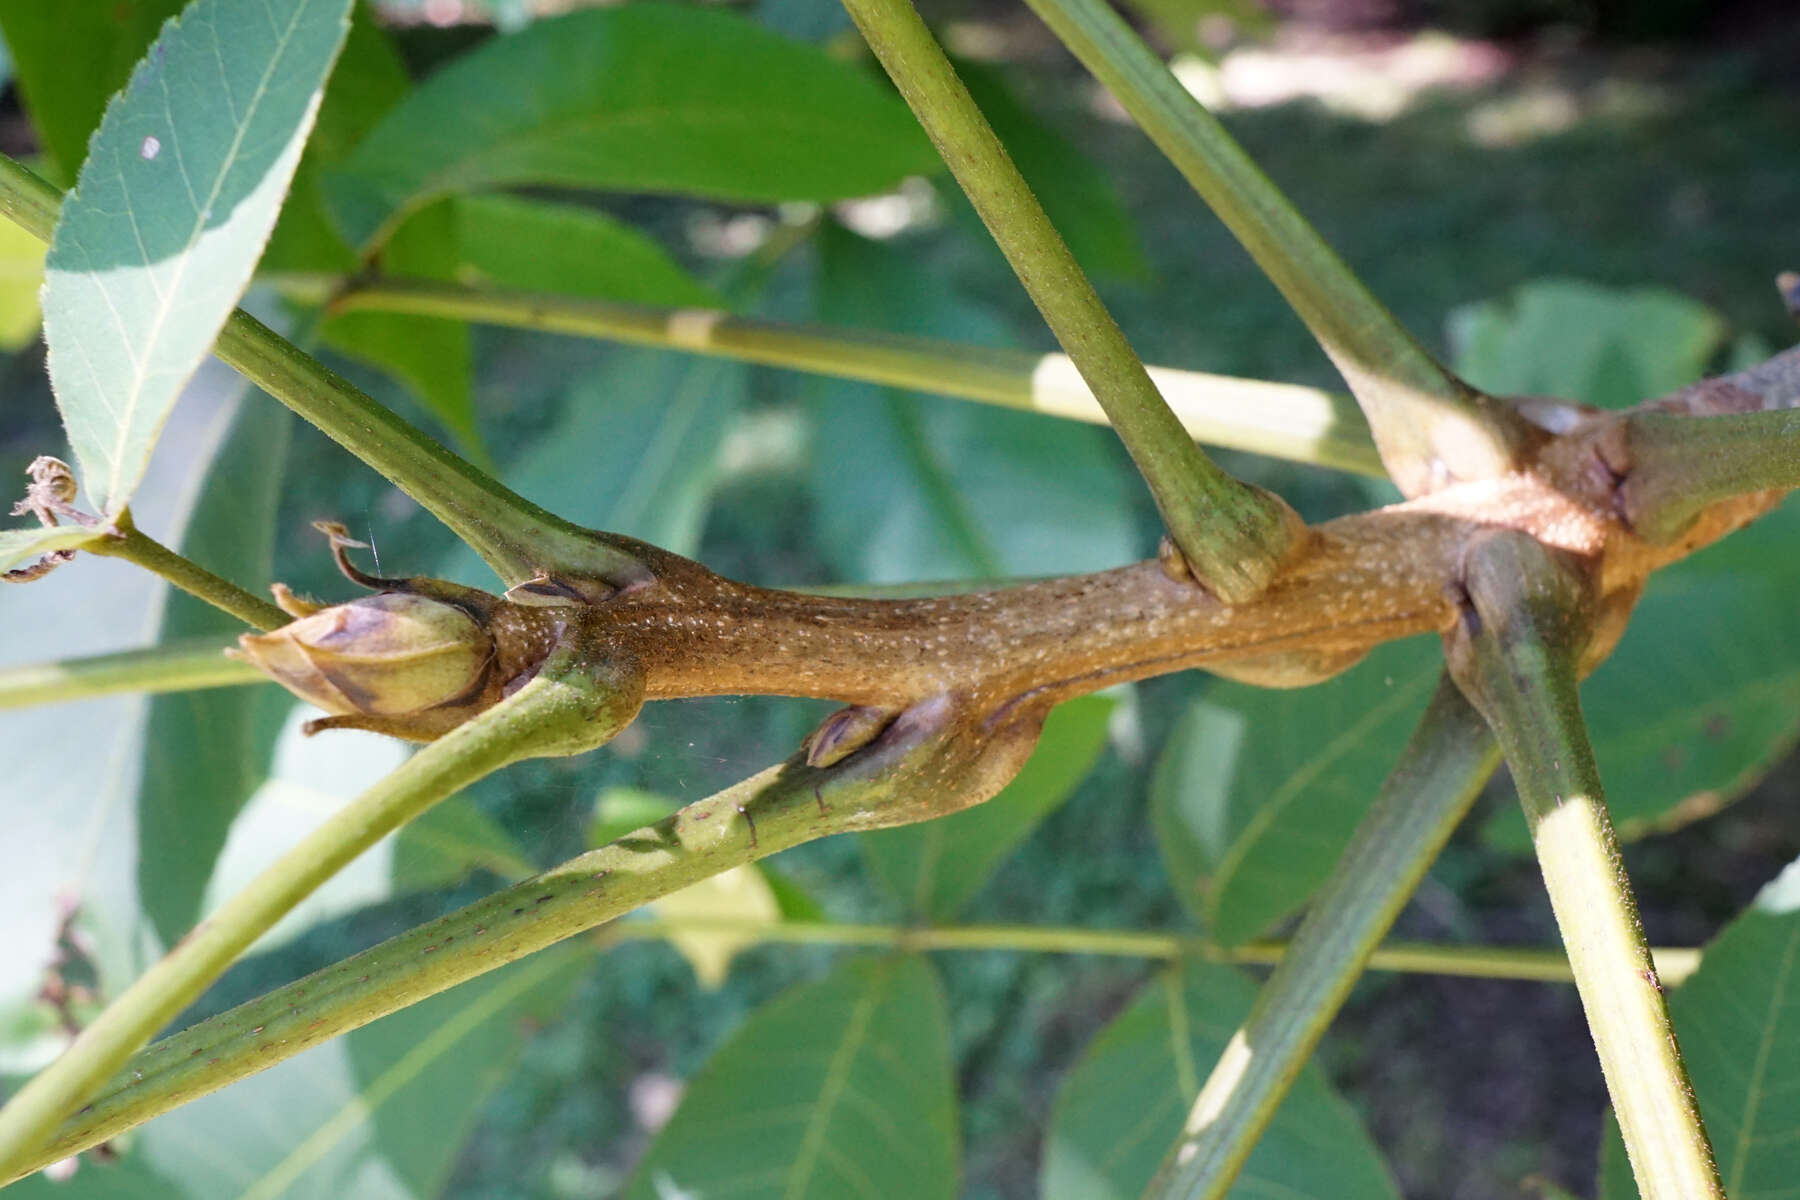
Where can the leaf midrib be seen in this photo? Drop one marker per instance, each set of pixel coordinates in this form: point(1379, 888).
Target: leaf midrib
point(837, 1080)
point(1759, 1068)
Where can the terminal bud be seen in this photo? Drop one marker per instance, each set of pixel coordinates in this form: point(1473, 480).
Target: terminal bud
point(387, 655)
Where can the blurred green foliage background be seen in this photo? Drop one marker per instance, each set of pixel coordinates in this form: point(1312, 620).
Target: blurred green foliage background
point(1575, 150)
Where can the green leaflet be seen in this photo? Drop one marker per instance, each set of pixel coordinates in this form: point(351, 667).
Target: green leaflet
point(69, 59)
point(836, 1088)
point(27, 545)
point(181, 186)
point(1559, 337)
point(644, 98)
point(1122, 1105)
point(426, 1072)
point(368, 80)
point(1258, 790)
point(1703, 695)
point(539, 246)
point(430, 357)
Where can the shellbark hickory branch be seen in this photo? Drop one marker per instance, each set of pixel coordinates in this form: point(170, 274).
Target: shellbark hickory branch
point(419, 668)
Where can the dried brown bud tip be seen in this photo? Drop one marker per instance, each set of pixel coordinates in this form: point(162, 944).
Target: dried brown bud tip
point(51, 493)
point(53, 479)
point(386, 655)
